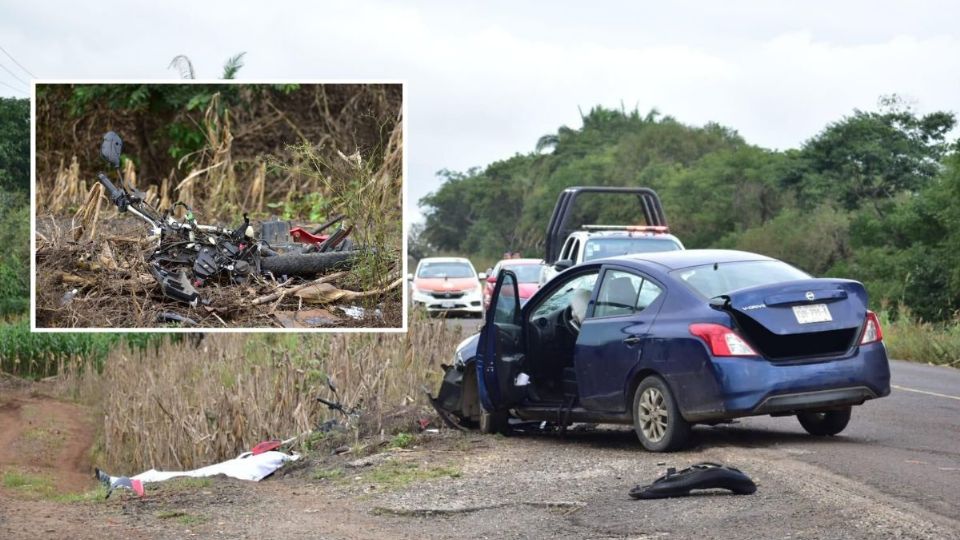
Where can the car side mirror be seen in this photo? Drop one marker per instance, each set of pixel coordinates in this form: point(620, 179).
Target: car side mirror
point(409, 277)
point(111, 148)
point(562, 265)
point(483, 276)
point(491, 279)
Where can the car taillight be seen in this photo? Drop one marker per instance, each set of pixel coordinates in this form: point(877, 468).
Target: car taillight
point(871, 329)
point(721, 340)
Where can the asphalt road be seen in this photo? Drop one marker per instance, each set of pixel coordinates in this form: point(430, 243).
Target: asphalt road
point(906, 444)
point(893, 473)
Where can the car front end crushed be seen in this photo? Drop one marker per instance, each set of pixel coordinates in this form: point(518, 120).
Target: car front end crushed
point(457, 401)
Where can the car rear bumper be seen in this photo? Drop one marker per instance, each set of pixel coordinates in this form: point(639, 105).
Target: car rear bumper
point(756, 386)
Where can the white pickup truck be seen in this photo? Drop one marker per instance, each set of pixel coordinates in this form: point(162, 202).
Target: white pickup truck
point(599, 241)
point(589, 242)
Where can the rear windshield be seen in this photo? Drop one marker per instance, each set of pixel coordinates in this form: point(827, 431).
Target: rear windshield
point(714, 280)
point(526, 273)
point(598, 248)
point(445, 269)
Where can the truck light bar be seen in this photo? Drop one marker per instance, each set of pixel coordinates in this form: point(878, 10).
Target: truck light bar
point(629, 228)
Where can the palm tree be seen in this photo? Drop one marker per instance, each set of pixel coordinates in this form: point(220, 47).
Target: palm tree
point(552, 140)
point(183, 64)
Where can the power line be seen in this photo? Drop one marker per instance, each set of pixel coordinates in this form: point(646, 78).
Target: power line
point(27, 71)
point(14, 75)
point(13, 88)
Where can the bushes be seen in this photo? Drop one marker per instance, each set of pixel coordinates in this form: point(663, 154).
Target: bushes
point(871, 197)
point(909, 338)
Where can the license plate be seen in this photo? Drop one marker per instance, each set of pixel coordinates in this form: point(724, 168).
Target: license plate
point(447, 305)
point(812, 314)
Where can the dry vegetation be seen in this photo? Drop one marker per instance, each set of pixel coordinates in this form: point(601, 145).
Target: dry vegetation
point(306, 155)
point(192, 403)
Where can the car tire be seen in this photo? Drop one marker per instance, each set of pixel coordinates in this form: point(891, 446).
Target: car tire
point(652, 402)
point(825, 424)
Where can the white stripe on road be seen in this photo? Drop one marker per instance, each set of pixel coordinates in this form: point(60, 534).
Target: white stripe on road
point(924, 392)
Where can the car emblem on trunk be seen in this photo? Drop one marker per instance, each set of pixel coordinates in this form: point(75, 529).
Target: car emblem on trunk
point(810, 295)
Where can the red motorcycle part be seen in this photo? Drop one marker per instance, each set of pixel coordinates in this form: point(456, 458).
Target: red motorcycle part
point(299, 234)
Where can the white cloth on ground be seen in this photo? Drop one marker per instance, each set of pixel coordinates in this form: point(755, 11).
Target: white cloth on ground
point(246, 466)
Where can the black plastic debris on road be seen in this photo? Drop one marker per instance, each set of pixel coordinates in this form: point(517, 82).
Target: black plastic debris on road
point(700, 476)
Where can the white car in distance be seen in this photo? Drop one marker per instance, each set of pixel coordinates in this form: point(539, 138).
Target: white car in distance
point(447, 285)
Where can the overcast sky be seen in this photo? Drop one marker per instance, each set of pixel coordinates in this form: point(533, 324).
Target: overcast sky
point(486, 79)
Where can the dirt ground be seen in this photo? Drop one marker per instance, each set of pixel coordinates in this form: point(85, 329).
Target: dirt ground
point(114, 289)
point(465, 485)
point(45, 437)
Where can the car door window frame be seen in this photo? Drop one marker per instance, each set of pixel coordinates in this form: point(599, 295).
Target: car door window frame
point(530, 308)
point(643, 278)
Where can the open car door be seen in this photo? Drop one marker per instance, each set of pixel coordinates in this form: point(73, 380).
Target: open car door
point(500, 347)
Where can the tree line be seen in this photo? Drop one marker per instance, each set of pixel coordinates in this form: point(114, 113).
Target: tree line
point(873, 196)
point(14, 209)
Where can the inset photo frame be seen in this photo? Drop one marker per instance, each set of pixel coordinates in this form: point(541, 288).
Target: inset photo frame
point(218, 205)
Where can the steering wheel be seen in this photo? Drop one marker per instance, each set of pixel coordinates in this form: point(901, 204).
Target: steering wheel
point(570, 322)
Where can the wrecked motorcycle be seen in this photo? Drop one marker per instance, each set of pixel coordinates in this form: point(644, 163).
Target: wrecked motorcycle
point(188, 254)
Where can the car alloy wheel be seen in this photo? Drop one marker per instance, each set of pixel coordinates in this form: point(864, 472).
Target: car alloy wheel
point(656, 417)
point(652, 414)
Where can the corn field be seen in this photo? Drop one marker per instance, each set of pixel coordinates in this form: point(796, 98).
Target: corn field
point(188, 404)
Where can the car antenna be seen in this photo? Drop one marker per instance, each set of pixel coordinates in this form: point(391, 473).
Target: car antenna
point(715, 265)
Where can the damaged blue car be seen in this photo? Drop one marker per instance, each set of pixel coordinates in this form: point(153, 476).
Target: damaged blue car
point(664, 341)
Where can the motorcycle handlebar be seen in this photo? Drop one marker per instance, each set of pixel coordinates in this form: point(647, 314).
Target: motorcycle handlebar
point(114, 193)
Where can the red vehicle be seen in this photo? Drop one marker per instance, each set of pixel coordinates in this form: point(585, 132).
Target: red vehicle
point(528, 277)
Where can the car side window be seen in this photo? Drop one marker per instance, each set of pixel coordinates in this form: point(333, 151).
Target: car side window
point(561, 298)
point(618, 294)
point(507, 304)
point(649, 292)
point(574, 251)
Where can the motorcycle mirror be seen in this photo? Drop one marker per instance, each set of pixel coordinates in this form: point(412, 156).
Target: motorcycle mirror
point(110, 149)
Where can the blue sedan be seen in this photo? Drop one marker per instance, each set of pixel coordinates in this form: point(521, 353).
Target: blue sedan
point(664, 341)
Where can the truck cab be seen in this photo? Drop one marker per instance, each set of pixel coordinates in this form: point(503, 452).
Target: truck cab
point(570, 241)
point(600, 241)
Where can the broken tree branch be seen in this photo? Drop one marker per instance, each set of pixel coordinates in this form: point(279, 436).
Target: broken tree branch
point(279, 293)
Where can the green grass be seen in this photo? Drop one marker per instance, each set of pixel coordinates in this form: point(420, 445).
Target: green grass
point(394, 475)
point(20, 480)
point(909, 338)
point(328, 474)
point(38, 486)
point(181, 517)
point(45, 437)
point(402, 440)
point(187, 483)
point(99, 494)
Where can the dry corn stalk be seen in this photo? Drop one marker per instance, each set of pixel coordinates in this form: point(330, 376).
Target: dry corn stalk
point(68, 189)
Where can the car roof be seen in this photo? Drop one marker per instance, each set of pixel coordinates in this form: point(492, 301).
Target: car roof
point(673, 260)
point(621, 234)
point(445, 260)
point(519, 261)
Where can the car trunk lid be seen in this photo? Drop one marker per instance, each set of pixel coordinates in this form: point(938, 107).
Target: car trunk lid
point(799, 319)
